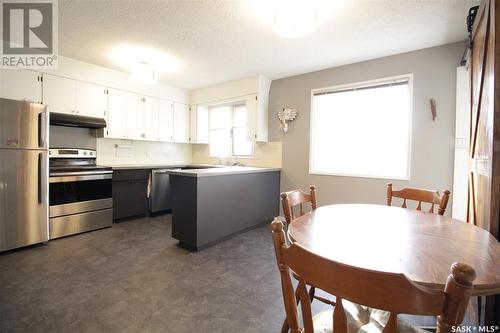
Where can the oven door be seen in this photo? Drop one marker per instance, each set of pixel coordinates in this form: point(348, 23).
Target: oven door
point(72, 193)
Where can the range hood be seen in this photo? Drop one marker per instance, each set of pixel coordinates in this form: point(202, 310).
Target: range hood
point(73, 120)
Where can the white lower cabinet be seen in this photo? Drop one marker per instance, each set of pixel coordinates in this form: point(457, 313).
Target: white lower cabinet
point(21, 85)
point(181, 123)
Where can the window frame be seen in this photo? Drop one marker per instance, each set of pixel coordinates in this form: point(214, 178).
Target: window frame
point(364, 84)
point(232, 104)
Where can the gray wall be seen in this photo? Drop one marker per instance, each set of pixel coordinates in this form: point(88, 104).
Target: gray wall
point(72, 137)
point(434, 71)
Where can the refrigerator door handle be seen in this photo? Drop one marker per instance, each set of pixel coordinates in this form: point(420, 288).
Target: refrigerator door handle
point(42, 179)
point(42, 129)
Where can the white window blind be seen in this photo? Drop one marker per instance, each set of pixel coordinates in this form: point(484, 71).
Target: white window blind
point(362, 130)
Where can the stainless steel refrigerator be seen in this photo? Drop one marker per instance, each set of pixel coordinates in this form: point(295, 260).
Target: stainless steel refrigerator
point(24, 174)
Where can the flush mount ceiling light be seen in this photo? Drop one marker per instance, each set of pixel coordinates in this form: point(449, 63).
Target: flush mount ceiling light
point(295, 18)
point(145, 64)
point(144, 73)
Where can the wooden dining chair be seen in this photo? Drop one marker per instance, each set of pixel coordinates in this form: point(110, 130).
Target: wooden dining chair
point(420, 195)
point(383, 295)
point(291, 199)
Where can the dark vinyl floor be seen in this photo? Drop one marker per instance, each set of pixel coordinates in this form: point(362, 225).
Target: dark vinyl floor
point(134, 278)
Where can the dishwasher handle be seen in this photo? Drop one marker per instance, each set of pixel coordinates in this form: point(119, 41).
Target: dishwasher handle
point(163, 171)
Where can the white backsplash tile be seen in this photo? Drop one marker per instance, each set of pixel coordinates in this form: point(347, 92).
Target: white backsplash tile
point(127, 152)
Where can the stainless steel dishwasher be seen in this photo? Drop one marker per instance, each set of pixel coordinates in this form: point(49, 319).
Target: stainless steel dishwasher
point(160, 193)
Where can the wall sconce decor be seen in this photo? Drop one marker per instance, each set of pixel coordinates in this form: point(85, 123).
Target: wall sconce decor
point(285, 115)
point(433, 109)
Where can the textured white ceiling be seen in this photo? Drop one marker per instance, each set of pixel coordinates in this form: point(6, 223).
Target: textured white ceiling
point(217, 41)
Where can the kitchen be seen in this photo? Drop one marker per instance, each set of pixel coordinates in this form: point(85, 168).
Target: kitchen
point(186, 166)
point(87, 191)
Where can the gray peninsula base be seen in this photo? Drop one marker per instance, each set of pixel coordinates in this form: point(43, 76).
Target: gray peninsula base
point(207, 210)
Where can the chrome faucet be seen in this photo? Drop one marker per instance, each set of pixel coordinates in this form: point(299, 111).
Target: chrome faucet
point(236, 163)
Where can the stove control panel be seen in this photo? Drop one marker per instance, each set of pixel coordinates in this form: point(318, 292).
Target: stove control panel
point(71, 153)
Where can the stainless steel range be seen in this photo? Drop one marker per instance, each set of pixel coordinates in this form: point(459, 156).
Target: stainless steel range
point(80, 192)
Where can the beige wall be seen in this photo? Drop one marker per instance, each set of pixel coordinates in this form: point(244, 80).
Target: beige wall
point(266, 155)
point(434, 72)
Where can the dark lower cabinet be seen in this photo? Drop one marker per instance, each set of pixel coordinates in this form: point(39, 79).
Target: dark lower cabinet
point(130, 193)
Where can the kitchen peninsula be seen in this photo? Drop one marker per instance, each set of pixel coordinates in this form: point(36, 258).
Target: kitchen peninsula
point(211, 205)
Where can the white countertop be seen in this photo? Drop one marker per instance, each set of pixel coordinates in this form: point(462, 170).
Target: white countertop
point(214, 170)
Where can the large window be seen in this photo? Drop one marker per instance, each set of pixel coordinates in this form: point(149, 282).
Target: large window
point(362, 130)
point(228, 131)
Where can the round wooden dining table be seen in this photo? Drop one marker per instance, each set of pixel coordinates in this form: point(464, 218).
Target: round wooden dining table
point(420, 245)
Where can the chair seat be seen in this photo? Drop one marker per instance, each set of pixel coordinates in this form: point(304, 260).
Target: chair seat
point(361, 319)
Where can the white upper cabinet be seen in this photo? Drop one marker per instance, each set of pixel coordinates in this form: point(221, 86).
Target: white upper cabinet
point(59, 94)
point(21, 85)
point(181, 123)
point(252, 107)
point(151, 114)
point(257, 118)
point(135, 116)
point(166, 121)
point(257, 105)
point(117, 115)
point(199, 124)
point(88, 90)
point(64, 95)
point(91, 99)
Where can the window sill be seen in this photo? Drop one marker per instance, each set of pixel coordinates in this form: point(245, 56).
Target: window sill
point(245, 157)
point(318, 173)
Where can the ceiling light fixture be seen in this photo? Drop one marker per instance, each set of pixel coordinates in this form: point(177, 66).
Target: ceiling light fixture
point(295, 18)
point(144, 73)
point(145, 64)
